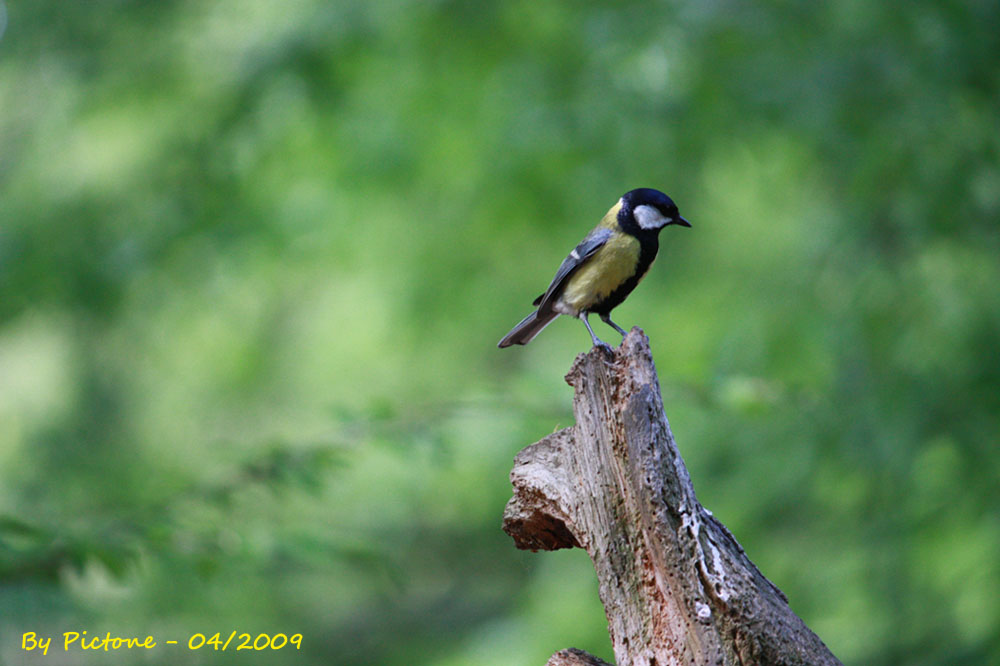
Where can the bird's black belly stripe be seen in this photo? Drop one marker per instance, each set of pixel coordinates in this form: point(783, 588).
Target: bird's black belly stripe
point(647, 253)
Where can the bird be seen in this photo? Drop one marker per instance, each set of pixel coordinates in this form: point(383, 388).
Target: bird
point(605, 267)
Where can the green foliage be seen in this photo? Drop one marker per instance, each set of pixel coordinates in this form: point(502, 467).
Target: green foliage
point(255, 257)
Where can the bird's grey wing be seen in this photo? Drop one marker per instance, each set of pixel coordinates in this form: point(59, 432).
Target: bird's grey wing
point(586, 249)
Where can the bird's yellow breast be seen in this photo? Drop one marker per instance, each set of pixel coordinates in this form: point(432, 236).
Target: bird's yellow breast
point(610, 266)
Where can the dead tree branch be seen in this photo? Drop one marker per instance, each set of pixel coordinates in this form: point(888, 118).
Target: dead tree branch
point(676, 586)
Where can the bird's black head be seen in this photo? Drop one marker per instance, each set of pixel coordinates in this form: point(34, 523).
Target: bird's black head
point(646, 209)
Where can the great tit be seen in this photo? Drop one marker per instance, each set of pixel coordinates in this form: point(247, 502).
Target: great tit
point(605, 267)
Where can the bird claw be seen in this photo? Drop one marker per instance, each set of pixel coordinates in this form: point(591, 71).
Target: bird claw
point(601, 344)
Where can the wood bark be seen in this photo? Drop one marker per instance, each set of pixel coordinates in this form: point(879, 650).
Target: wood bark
point(676, 586)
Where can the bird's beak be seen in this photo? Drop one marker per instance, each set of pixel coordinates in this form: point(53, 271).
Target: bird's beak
point(681, 221)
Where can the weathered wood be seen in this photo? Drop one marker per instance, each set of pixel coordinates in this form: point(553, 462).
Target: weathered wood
point(676, 586)
point(574, 657)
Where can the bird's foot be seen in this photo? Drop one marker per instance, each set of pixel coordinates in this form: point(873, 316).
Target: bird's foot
point(601, 344)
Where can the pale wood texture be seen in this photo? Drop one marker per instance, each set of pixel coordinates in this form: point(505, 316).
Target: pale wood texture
point(574, 657)
point(676, 586)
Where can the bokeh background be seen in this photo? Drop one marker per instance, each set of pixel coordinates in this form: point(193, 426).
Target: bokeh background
point(255, 258)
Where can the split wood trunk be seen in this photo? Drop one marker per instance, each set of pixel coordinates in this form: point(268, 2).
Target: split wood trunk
point(676, 586)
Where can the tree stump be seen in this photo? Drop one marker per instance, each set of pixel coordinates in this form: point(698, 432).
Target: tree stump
point(676, 586)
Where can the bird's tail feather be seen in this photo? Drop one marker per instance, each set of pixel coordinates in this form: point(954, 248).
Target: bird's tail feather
point(527, 329)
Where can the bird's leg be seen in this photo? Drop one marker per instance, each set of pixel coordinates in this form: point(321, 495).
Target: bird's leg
point(597, 341)
point(606, 318)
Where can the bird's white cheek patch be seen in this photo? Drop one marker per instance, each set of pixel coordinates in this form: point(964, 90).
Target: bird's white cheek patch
point(649, 217)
